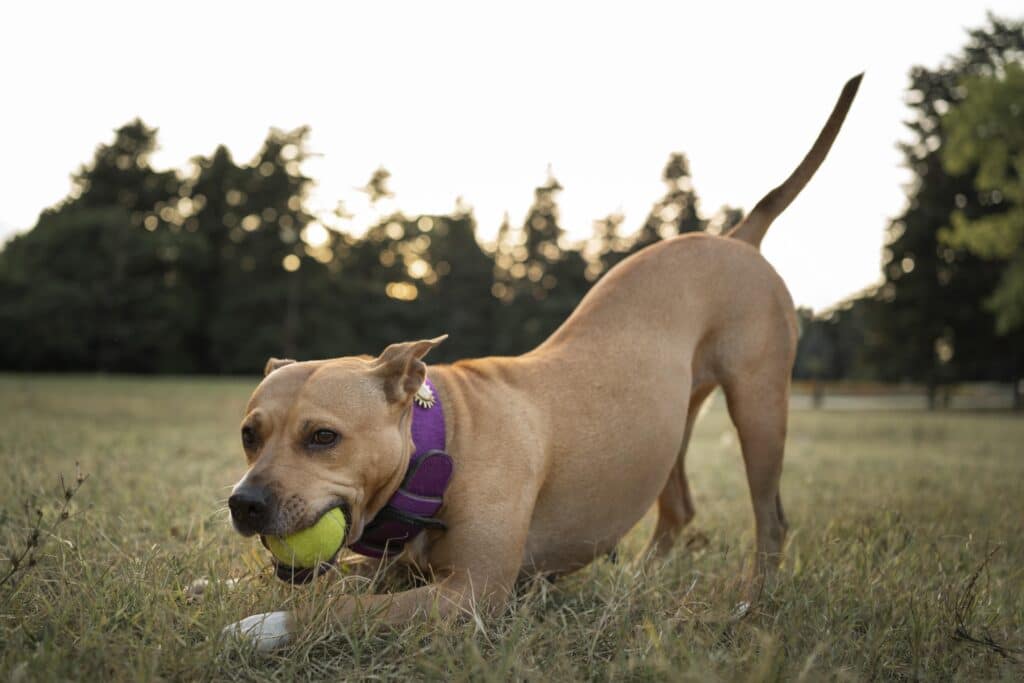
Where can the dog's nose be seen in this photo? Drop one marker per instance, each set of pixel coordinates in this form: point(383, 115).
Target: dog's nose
point(250, 508)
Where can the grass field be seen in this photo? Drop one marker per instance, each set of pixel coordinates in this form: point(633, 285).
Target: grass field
point(891, 514)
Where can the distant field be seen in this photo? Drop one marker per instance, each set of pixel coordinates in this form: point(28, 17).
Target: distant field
point(876, 396)
point(891, 514)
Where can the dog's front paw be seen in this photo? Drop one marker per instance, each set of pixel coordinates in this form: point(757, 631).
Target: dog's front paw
point(265, 632)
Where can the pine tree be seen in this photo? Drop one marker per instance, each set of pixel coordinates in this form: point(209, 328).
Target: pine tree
point(675, 213)
point(266, 264)
point(530, 267)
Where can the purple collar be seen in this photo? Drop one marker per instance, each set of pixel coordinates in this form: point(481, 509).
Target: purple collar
point(415, 504)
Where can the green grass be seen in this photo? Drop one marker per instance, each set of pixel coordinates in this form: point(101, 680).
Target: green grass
point(891, 514)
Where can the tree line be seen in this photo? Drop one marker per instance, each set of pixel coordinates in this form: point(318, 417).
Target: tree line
point(214, 268)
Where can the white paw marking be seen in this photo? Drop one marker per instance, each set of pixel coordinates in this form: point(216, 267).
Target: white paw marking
point(265, 632)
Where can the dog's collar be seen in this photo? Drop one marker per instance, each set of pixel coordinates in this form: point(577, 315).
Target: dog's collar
point(415, 504)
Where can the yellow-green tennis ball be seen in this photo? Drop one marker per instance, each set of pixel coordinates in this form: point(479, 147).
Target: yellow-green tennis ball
point(311, 546)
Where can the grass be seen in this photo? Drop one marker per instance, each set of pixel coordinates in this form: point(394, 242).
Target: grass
point(891, 516)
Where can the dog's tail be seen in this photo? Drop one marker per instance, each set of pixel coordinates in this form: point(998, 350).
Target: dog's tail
point(752, 228)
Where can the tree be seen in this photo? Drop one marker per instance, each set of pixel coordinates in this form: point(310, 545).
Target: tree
point(538, 282)
point(727, 218)
point(986, 132)
point(110, 310)
point(105, 262)
point(932, 327)
point(463, 303)
point(532, 274)
point(832, 345)
point(675, 213)
point(268, 267)
point(120, 175)
point(607, 246)
point(214, 189)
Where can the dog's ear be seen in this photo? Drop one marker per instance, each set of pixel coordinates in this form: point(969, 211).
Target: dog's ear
point(274, 364)
point(402, 368)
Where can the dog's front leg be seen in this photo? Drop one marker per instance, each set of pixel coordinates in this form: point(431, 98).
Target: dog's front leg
point(482, 569)
point(447, 598)
point(272, 630)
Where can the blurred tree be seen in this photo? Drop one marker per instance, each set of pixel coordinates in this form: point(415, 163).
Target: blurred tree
point(538, 282)
point(377, 187)
point(727, 218)
point(464, 304)
point(530, 275)
point(932, 327)
point(212, 192)
point(833, 345)
point(510, 248)
point(390, 270)
point(675, 213)
point(421, 277)
point(108, 259)
point(120, 175)
point(814, 358)
point(986, 132)
point(607, 246)
point(114, 309)
point(260, 311)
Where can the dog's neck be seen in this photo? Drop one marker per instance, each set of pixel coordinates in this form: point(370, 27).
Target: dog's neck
point(414, 505)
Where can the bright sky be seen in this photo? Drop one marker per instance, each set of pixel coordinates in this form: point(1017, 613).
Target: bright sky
point(476, 99)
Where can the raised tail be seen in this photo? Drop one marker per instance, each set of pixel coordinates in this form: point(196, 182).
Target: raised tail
point(752, 228)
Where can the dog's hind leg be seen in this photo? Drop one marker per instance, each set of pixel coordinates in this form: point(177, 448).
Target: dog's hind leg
point(675, 504)
point(758, 404)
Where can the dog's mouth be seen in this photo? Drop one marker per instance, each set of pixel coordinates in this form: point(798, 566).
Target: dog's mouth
point(301, 575)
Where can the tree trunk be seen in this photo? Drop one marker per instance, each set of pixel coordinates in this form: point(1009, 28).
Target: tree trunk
point(817, 394)
point(933, 390)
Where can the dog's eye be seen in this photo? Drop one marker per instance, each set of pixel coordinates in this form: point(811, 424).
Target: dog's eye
point(248, 437)
point(323, 437)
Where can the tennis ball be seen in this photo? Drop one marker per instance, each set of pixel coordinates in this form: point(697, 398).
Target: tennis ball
point(313, 545)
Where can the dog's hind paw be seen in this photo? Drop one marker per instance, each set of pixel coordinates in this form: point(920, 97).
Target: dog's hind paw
point(195, 591)
point(265, 632)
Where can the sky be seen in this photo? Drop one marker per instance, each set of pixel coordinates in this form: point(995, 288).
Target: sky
point(478, 100)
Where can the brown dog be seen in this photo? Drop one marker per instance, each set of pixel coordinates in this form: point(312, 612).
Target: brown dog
point(558, 452)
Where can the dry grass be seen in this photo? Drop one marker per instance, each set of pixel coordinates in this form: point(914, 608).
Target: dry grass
point(893, 517)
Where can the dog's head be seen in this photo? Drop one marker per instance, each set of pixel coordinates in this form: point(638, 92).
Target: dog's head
point(324, 434)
